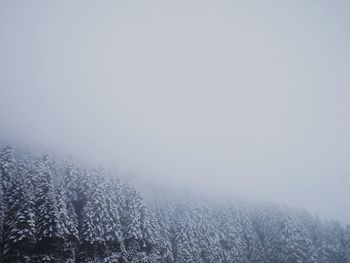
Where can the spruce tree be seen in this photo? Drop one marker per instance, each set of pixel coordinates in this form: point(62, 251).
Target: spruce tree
point(132, 229)
point(50, 234)
point(112, 222)
point(77, 185)
point(7, 166)
point(295, 242)
point(347, 243)
point(335, 244)
point(149, 230)
point(2, 207)
point(166, 233)
point(68, 226)
point(93, 227)
point(253, 249)
point(208, 239)
point(231, 234)
point(187, 249)
point(19, 226)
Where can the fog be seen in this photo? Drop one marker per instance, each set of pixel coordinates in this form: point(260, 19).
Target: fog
point(246, 98)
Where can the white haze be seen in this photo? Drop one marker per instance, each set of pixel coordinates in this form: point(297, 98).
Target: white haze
point(245, 98)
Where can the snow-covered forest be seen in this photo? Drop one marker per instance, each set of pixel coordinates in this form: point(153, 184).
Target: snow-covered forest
point(53, 210)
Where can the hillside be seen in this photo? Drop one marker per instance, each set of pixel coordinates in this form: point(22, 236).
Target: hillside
point(52, 210)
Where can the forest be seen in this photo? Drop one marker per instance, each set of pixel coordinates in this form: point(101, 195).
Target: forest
point(54, 210)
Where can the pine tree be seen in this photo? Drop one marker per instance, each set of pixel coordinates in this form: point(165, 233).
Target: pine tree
point(68, 226)
point(7, 170)
point(2, 207)
point(253, 248)
point(187, 249)
point(150, 230)
point(313, 228)
point(112, 224)
point(166, 233)
point(265, 225)
point(335, 244)
point(50, 235)
point(347, 243)
point(295, 240)
point(77, 185)
point(7, 165)
point(208, 235)
point(231, 234)
point(132, 229)
point(19, 226)
point(93, 229)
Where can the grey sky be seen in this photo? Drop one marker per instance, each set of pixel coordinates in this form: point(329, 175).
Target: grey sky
point(242, 97)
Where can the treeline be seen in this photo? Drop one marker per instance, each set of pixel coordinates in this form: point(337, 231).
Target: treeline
point(56, 211)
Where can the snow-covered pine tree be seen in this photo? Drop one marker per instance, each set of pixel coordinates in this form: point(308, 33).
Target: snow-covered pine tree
point(50, 234)
point(68, 226)
point(231, 233)
point(7, 173)
point(271, 228)
point(150, 230)
point(77, 185)
point(166, 237)
point(183, 251)
point(253, 248)
point(335, 244)
point(132, 229)
point(347, 243)
point(294, 240)
point(112, 225)
point(35, 169)
point(94, 217)
point(2, 207)
point(19, 226)
point(208, 238)
point(50, 163)
point(264, 221)
point(187, 249)
point(7, 165)
point(312, 227)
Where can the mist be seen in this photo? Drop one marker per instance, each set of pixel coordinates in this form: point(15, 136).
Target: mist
point(234, 97)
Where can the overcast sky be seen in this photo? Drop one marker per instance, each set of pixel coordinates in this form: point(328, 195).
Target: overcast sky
point(238, 97)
